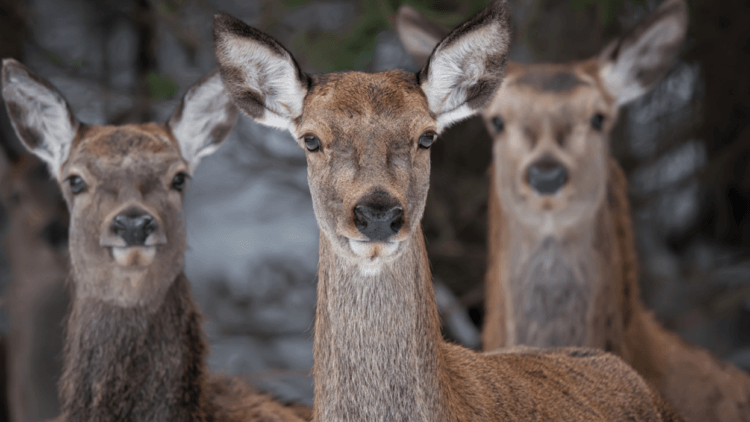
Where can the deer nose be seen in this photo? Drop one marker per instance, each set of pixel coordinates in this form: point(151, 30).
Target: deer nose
point(134, 228)
point(547, 175)
point(378, 222)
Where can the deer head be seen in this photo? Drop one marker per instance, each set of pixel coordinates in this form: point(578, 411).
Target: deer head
point(551, 122)
point(123, 185)
point(366, 136)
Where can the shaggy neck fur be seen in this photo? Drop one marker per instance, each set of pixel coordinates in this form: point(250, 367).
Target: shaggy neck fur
point(132, 364)
point(557, 290)
point(377, 339)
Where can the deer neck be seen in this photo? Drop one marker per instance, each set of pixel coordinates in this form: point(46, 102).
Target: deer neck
point(134, 364)
point(377, 339)
point(556, 288)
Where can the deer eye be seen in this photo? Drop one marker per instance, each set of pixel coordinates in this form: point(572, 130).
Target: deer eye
point(312, 143)
point(597, 121)
point(179, 180)
point(77, 185)
point(426, 140)
point(498, 124)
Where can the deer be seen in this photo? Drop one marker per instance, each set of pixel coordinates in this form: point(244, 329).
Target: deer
point(134, 345)
point(379, 354)
point(36, 297)
point(562, 269)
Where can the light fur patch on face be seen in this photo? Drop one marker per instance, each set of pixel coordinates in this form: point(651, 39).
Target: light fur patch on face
point(373, 254)
point(134, 256)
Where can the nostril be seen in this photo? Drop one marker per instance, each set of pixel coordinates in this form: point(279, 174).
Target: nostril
point(149, 225)
point(397, 219)
point(378, 222)
point(120, 225)
point(134, 230)
point(547, 176)
point(360, 217)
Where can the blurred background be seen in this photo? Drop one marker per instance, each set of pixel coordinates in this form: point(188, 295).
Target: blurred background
point(251, 231)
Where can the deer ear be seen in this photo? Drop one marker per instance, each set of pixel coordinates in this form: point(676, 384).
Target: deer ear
point(262, 77)
point(40, 115)
point(204, 118)
point(468, 65)
point(418, 34)
point(633, 64)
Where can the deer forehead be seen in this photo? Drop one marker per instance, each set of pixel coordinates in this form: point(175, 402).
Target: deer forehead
point(558, 94)
point(354, 107)
point(150, 148)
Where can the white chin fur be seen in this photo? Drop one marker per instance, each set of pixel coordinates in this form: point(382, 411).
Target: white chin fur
point(373, 254)
point(139, 256)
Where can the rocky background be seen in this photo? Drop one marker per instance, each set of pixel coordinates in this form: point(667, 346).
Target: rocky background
point(251, 230)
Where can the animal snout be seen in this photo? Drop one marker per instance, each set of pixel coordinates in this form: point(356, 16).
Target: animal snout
point(378, 216)
point(547, 175)
point(134, 227)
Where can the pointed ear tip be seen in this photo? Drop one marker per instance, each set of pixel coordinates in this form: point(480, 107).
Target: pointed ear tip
point(10, 67)
point(223, 20)
point(11, 63)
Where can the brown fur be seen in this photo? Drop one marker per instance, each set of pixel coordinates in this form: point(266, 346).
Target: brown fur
point(134, 347)
point(562, 269)
point(379, 353)
point(146, 360)
point(700, 387)
point(36, 298)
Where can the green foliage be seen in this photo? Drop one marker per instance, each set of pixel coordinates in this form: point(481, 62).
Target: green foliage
point(353, 48)
point(160, 87)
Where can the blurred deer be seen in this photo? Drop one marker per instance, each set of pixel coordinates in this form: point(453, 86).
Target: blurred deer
point(36, 298)
point(562, 266)
point(379, 353)
point(134, 346)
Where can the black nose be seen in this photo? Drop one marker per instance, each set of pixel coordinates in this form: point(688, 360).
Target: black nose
point(378, 217)
point(547, 175)
point(134, 228)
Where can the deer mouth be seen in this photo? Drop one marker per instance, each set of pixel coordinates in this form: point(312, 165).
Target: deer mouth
point(373, 250)
point(133, 256)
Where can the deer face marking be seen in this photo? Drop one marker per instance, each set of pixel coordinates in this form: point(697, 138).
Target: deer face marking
point(118, 182)
point(123, 184)
point(369, 177)
point(366, 136)
point(550, 162)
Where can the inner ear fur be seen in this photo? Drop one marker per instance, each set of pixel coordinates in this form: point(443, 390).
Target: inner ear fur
point(203, 119)
point(261, 76)
point(40, 116)
point(468, 65)
point(635, 63)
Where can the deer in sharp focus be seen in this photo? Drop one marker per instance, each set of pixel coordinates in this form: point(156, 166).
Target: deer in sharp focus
point(562, 266)
point(379, 353)
point(134, 346)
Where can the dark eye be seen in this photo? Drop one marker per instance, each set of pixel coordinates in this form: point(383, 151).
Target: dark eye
point(427, 139)
point(77, 185)
point(312, 143)
point(597, 121)
point(179, 180)
point(498, 124)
